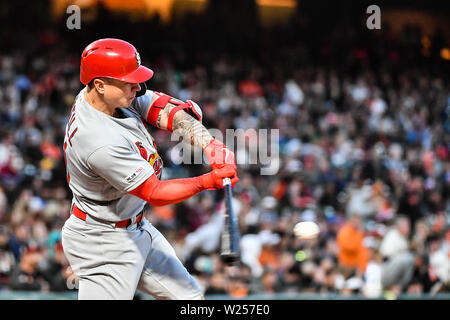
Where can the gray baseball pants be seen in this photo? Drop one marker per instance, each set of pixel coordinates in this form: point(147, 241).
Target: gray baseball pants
point(111, 263)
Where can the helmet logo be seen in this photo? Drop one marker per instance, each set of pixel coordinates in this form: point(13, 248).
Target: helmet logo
point(138, 58)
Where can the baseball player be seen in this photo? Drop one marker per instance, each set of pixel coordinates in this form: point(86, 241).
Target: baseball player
point(114, 169)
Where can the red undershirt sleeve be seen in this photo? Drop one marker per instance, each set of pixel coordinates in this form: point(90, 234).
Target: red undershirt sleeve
point(161, 193)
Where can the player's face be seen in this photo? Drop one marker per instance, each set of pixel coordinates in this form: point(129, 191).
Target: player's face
point(120, 94)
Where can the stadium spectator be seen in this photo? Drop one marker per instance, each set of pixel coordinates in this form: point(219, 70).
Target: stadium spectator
point(440, 262)
point(56, 270)
point(26, 276)
point(398, 268)
point(352, 252)
point(396, 240)
point(7, 260)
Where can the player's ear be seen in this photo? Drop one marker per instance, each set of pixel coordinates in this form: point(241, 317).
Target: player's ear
point(99, 85)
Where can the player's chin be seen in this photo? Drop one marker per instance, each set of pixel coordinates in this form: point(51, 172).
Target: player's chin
point(126, 102)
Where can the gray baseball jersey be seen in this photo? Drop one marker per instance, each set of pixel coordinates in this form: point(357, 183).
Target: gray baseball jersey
point(106, 157)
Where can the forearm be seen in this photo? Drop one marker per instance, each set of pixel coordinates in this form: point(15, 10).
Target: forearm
point(190, 128)
point(161, 193)
point(185, 118)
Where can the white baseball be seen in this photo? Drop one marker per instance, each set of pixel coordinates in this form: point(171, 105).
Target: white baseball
point(306, 230)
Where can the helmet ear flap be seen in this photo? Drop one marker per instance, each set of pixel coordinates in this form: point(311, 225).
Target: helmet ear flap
point(143, 89)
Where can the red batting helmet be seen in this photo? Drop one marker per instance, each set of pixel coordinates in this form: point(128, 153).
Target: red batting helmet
point(112, 58)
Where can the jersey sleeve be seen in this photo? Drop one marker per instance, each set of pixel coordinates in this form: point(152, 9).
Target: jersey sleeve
point(120, 166)
point(142, 105)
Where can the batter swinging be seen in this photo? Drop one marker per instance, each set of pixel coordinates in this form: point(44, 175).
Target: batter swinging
point(114, 170)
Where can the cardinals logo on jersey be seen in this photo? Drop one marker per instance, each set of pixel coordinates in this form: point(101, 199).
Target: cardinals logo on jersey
point(154, 159)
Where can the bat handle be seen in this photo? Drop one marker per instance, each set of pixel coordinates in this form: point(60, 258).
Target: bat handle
point(228, 192)
point(233, 231)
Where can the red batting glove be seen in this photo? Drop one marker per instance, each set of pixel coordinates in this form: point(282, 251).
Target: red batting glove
point(214, 179)
point(219, 155)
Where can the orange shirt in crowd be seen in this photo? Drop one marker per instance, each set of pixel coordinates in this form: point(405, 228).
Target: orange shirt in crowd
point(352, 252)
point(269, 257)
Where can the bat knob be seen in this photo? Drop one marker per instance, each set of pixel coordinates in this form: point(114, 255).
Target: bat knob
point(229, 258)
point(226, 181)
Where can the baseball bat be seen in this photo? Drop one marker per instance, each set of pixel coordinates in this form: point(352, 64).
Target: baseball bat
point(230, 233)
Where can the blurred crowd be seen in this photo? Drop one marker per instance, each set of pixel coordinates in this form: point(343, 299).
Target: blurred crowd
point(364, 151)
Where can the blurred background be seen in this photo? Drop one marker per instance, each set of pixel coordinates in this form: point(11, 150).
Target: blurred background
point(364, 140)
